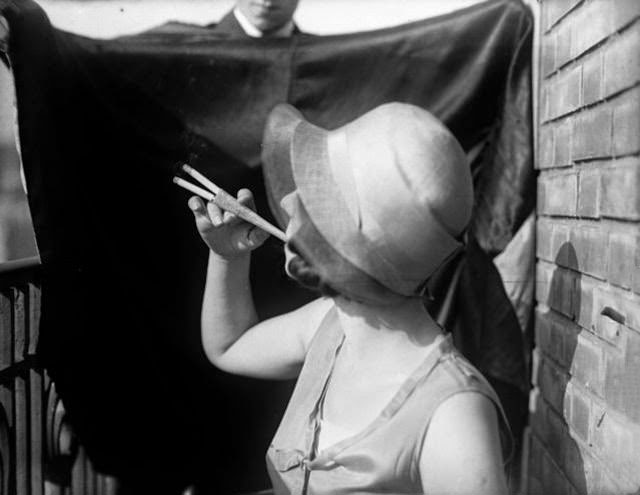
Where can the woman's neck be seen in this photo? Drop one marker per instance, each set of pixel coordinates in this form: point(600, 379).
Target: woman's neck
point(375, 328)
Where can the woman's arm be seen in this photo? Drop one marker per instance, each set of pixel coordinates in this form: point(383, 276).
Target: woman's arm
point(231, 336)
point(461, 453)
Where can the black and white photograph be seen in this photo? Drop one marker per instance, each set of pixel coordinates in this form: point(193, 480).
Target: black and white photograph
point(319, 247)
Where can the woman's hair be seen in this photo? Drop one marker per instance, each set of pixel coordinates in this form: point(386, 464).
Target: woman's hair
point(306, 275)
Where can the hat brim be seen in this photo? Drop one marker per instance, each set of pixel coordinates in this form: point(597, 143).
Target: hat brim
point(277, 158)
point(296, 156)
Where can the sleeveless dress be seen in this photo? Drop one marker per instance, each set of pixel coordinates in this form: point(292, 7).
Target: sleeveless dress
point(381, 458)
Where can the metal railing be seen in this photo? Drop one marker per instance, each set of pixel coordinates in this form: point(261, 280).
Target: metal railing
point(39, 454)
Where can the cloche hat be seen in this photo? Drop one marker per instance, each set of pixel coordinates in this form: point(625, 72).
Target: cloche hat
point(388, 194)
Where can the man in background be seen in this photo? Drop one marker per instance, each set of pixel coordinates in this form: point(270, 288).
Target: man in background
point(259, 19)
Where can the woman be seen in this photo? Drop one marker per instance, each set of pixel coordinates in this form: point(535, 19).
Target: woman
point(383, 402)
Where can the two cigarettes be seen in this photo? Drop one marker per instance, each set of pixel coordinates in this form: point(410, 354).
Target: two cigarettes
point(225, 201)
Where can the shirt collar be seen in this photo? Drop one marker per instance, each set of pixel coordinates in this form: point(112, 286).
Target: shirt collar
point(252, 31)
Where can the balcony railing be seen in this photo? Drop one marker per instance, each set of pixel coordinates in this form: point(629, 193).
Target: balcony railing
point(39, 454)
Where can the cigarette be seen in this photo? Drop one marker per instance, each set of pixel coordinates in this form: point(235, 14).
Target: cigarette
point(227, 202)
point(200, 178)
point(194, 189)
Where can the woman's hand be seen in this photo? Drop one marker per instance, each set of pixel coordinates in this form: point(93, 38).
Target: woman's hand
point(227, 235)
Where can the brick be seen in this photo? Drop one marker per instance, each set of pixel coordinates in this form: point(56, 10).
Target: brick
point(545, 113)
point(588, 363)
point(580, 411)
point(546, 147)
point(541, 196)
point(563, 44)
point(552, 383)
point(622, 252)
point(621, 61)
point(565, 92)
point(592, 79)
point(592, 134)
point(589, 193)
point(595, 477)
point(595, 25)
point(606, 327)
point(618, 440)
point(561, 291)
point(562, 144)
point(570, 338)
point(542, 328)
point(570, 331)
point(544, 272)
point(583, 302)
point(630, 307)
point(548, 55)
point(590, 247)
point(575, 465)
point(622, 379)
point(626, 123)
point(560, 249)
point(544, 229)
point(554, 480)
point(553, 11)
point(559, 194)
point(557, 439)
point(551, 236)
point(624, 11)
point(536, 453)
point(620, 193)
point(636, 272)
point(599, 410)
point(550, 335)
point(565, 253)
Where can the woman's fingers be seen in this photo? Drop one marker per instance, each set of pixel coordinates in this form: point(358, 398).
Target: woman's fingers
point(197, 206)
point(224, 232)
point(215, 214)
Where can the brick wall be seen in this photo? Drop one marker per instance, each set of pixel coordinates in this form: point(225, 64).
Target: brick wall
point(585, 407)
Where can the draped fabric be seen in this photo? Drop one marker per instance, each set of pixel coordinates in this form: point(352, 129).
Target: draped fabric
point(102, 125)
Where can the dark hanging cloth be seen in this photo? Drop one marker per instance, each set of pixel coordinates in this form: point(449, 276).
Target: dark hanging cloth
point(102, 125)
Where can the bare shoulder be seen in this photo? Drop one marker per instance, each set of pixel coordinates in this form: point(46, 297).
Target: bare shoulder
point(472, 409)
point(461, 451)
